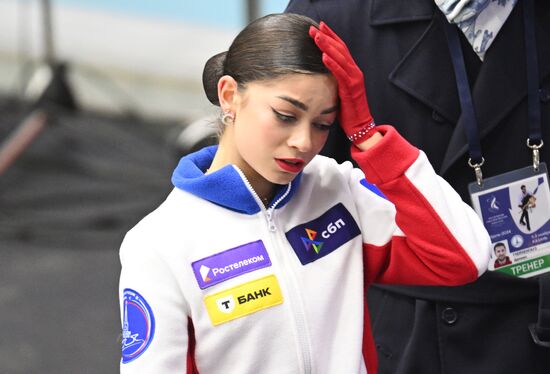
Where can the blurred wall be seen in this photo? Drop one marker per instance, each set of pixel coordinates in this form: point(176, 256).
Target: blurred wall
point(141, 56)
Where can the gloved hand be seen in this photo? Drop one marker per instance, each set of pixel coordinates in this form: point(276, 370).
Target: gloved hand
point(355, 117)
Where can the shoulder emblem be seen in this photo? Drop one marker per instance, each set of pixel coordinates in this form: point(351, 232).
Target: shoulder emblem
point(138, 327)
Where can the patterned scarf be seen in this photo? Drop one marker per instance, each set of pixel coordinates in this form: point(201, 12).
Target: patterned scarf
point(479, 20)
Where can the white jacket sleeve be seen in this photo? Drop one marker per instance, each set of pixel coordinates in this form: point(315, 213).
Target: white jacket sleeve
point(154, 313)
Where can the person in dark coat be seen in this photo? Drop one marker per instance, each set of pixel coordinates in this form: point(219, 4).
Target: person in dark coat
point(481, 328)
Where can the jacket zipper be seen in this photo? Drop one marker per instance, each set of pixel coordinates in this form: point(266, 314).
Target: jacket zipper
point(269, 211)
point(299, 316)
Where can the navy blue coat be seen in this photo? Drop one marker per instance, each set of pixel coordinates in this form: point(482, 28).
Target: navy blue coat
point(400, 45)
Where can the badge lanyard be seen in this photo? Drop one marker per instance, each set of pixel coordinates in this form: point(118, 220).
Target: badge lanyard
point(525, 233)
point(468, 117)
point(540, 331)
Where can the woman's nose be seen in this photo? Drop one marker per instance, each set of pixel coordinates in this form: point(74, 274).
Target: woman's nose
point(300, 138)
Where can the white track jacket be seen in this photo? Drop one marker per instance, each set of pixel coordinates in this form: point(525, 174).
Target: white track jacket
point(212, 282)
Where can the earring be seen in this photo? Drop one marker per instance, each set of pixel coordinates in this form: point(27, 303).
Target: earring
point(227, 117)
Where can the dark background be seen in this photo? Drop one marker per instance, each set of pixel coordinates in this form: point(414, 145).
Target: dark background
point(65, 205)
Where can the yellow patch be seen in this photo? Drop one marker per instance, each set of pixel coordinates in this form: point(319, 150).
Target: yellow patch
point(244, 299)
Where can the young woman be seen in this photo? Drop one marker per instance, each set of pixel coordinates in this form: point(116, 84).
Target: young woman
point(258, 260)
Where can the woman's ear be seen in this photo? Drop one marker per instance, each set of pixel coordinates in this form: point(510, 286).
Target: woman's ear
point(227, 92)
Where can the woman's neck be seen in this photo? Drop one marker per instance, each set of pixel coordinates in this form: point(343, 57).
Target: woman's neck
point(228, 156)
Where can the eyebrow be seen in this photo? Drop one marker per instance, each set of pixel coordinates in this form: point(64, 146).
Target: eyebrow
point(298, 104)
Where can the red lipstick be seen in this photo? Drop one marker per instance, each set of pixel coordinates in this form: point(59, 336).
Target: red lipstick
point(291, 165)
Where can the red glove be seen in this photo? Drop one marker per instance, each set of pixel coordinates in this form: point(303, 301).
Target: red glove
point(355, 117)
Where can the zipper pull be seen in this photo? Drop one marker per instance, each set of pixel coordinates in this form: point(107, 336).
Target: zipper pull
point(270, 223)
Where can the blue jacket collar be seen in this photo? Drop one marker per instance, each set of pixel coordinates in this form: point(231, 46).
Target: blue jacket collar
point(223, 187)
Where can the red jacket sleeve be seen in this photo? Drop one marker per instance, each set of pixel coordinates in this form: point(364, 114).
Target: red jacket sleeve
point(436, 239)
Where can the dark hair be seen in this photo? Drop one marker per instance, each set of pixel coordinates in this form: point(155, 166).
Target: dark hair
point(269, 47)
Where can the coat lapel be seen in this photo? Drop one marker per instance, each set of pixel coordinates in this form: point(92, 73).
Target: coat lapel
point(424, 74)
point(425, 71)
point(384, 12)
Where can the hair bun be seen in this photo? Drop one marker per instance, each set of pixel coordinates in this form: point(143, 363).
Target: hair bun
point(213, 71)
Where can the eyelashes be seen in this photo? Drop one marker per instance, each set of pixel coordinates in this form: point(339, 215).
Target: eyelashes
point(322, 127)
point(283, 117)
point(289, 119)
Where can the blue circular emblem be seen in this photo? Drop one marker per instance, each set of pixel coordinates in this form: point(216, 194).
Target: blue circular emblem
point(517, 241)
point(138, 326)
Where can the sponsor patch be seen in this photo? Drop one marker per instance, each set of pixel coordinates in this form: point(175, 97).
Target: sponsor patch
point(138, 326)
point(230, 263)
point(318, 238)
point(244, 299)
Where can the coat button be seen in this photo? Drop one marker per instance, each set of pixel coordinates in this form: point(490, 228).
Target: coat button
point(437, 117)
point(544, 95)
point(449, 316)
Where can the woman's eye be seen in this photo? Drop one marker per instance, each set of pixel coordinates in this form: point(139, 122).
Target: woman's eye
point(283, 117)
point(322, 126)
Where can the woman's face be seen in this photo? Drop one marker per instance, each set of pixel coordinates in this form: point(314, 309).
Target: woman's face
point(281, 124)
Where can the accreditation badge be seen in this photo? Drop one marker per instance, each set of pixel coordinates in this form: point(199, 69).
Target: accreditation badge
point(515, 209)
